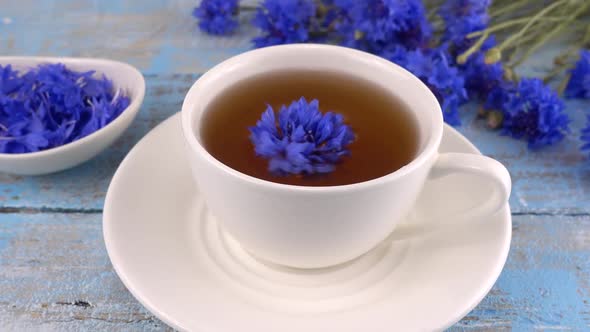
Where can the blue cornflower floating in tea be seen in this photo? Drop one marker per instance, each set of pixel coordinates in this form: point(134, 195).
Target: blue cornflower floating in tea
point(302, 140)
point(51, 105)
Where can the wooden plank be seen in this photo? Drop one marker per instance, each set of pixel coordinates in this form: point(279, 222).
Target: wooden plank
point(549, 181)
point(155, 36)
point(55, 275)
point(545, 284)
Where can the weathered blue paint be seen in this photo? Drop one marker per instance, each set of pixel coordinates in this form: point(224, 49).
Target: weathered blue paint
point(55, 275)
point(545, 284)
point(156, 36)
point(54, 272)
point(53, 261)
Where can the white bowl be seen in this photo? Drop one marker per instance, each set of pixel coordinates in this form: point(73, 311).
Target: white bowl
point(122, 75)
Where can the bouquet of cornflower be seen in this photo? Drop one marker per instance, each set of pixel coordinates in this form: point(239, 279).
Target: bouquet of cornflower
point(463, 50)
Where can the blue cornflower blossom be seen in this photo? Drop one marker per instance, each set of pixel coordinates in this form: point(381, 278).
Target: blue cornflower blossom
point(434, 68)
point(461, 18)
point(217, 17)
point(51, 105)
point(531, 111)
point(375, 25)
point(579, 82)
point(396, 54)
point(480, 77)
point(303, 140)
point(585, 135)
point(284, 22)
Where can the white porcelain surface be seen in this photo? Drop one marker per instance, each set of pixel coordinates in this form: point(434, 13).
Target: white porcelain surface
point(311, 227)
point(123, 75)
point(177, 261)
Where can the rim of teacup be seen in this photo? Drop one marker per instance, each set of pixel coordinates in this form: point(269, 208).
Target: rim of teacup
point(225, 68)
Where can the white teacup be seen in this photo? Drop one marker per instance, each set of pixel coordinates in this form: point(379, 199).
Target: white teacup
point(310, 227)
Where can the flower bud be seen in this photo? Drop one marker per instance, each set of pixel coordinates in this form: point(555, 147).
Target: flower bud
point(493, 55)
point(494, 119)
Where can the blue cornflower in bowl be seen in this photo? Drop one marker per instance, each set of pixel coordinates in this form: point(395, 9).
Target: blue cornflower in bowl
point(56, 113)
point(284, 22)
point(531, 111)
point(300, 139)
point(579, 83)
point(217, 17)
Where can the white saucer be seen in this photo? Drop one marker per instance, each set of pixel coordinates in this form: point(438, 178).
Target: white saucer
point(176, 261)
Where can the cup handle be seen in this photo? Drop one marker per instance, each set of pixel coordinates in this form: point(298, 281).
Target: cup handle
point(449, 163)
point(482, 166)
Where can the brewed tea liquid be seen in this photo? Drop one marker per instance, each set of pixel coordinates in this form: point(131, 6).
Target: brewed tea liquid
point(386, 133)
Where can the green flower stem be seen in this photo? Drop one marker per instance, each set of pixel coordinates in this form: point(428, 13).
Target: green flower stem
point(586, 38)
point(510, 75)
point(507, 8)
point(522, 43)
point(462, 58)
point(432, 16)
point(530, 23)
point(484, 34)
point(558, 69)
point(432, 13)
point(510, 23)
point(433, 5)
point(248, 8)
point(563, 84)
point(565, 60)
point(319, 33)
point(556, 30)
point(564, 57)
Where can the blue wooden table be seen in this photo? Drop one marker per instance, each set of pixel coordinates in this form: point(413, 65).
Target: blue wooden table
point(54, 270)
